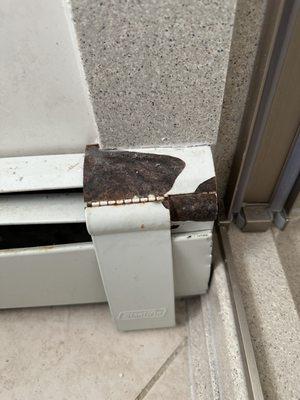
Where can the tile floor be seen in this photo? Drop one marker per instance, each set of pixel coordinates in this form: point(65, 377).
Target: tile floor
point(71, 353)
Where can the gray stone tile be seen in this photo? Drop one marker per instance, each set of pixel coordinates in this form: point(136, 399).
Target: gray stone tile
point(288, 246)
point(216, 361)
point(271, 313)
point(247, 28)
point(295, 212)
point(156, 69)
point(201, 380)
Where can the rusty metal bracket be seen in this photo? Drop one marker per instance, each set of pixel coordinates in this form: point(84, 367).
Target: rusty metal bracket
point(133, 200)
point(116, 177)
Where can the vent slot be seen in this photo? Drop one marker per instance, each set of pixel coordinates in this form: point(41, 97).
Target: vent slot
point(20, 236)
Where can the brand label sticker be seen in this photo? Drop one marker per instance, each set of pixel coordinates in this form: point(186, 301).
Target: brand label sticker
point(141, 314)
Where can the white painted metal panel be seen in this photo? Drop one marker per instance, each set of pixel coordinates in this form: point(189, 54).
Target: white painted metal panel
point(53, 208)
point(191, 226)
point(133, 248)
point(45, 105)
point(49, 172)
point(192, 262)
point(69, 274)
point(51, 275)
point(25, 174)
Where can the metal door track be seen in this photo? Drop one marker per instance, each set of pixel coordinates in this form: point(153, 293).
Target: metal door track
point(245, 344)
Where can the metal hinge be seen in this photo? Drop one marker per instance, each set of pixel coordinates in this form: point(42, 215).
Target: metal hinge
point(134, 200)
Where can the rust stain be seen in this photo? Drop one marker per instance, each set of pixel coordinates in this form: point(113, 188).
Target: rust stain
point(28, 249)
point(199, 206)
point(209, 185)
point(112, 175)
point(192, 207)
point(47, 248)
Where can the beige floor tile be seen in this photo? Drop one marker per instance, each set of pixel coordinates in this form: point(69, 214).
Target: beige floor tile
point(70, 353)
point(173, 384)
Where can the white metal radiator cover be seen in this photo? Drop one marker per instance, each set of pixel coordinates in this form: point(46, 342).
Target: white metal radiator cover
point(150, 215)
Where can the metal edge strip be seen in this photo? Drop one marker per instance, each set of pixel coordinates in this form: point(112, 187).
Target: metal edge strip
point(245, 342)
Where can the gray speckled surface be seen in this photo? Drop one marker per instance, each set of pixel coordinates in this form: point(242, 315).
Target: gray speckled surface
point(272, 317)
point(247, 27)
point(288, 246)
point(215, 358)
point(156, 69)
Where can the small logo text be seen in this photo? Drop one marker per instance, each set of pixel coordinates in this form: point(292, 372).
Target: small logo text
point(141, 314)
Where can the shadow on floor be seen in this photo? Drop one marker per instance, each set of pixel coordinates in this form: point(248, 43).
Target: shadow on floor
point(288, 247)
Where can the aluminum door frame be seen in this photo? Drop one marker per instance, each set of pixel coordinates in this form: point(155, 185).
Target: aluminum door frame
point(278, 32)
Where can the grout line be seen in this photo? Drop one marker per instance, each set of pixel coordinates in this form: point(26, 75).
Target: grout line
point(161, 370)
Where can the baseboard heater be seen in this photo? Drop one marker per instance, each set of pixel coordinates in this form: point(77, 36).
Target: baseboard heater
point(131, 227)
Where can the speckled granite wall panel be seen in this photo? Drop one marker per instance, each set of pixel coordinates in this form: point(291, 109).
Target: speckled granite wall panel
point(156, 68)
point(246, 33)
